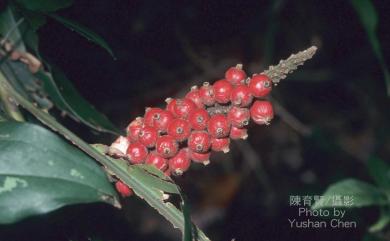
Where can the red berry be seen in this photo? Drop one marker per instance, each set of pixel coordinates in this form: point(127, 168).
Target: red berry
point(199, 119)
point(260, 85)
point(148, 136)
point(136, 152)
point(200, 157)
point(171, 103)
point(195, 97)
point(218, 126)
point(222, 91)
point(238, 117)
point(134, 128)
point(123, 189)
point(156, 160)
point(220, 144)
point(238, 133)
point(235, 75)
point(158, 118)
point(241, 96)
point(179, 129)
point(180, 162)
point(199, 141)
point(166, 146)
point(206, 94)
point(262, 112)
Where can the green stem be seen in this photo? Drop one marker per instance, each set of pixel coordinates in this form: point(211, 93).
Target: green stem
point(171, 213)
point(10, 107)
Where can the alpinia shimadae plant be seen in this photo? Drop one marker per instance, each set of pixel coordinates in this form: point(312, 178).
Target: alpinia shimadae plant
point(164, 142)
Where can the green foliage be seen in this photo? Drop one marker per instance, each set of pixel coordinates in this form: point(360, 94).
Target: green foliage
point(151, 194)
point(379, 171)
point(45, 5)
point(67, 98)
point(364, 194)
point(83, 31)
point(369, 18)
point(39, 172)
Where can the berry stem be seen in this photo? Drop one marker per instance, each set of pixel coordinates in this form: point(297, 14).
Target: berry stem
point(287, 66)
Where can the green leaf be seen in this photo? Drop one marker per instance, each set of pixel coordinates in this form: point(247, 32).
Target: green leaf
point(369, 18)
point(10, 30)
point(45, 5)
point(363, 194)
point(67, 98)
point(379, 171)
point(39, 172)
point(382, 222)
point(83, 31)
point(152, 196)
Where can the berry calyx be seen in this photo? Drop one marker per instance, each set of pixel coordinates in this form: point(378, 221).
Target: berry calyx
point(180, 162)
point(218, 126)
point(220, 144)
point(260, 85)
point(238, 133)
point(238, 117)
point(262, 112)
point(199, 119)
point(134, 128)
point(195, 97)
point(203, 158)
point(241, 96)
point(166, 146)
point(123, 189)
point(235, 75)
point(156, 160)
point(179, 129)
point(119, 147)
point(222, 90)
point(206, 94)
point(199, 141)
point(148, 136)
point(136, 153)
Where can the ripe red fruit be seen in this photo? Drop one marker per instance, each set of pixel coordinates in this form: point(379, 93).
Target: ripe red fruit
point(123, 189)
point(136, 152)
point(241, 96)
point(179, 129)
point(180, 108)
point(158, 118)
point(134, 128)
point(180, 162)
point(195, 97)
point(206, 94)
point(148, 136)
point(200, 157)
point(218, 126)
point(119, 147)
point(235, 75)
point(199, 141)
point(238, 117)
point(238, 133)
point(199, 119)
point(220, 144)
point(171, 103)
point(260, 85)
point(262, 112)
point(156, 160)
point(166, 146)
point(222, 91)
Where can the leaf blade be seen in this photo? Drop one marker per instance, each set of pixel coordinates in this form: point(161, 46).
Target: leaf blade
point(39, 167)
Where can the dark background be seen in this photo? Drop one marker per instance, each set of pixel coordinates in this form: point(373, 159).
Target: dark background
point(164, 47)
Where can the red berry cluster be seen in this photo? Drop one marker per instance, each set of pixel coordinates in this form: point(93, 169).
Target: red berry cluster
point(205, 120)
